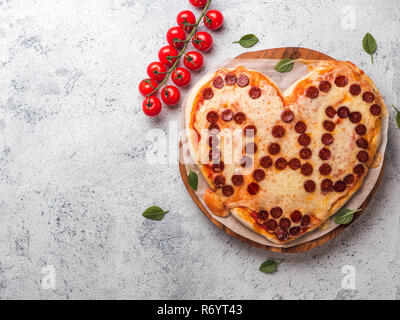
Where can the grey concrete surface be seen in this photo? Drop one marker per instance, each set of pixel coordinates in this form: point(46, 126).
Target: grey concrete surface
point(74, 178)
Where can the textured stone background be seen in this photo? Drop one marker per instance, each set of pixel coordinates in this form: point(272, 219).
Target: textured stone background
point(73, 174)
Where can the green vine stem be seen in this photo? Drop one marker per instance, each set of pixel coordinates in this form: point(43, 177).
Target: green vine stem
point(183, 50)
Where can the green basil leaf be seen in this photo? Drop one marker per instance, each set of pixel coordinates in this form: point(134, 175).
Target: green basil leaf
point(285, 65)
point(193, 180)
point(369, 45)
point(248, 41)
point(269, 266)
point(345, 216)
point(397, 116)
point(154, 213)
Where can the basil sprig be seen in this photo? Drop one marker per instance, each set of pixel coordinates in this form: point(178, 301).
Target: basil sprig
point(154, 213)
point(345, 216)
point(193, 180)
point(269, 266)
point(285, 65)
point(397, 116)
point(369, 45)
point(248, 41)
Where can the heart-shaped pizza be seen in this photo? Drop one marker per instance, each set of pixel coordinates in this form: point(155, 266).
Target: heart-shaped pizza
point(283, 163)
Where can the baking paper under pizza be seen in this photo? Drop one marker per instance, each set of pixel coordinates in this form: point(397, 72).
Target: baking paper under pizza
point(283, 162)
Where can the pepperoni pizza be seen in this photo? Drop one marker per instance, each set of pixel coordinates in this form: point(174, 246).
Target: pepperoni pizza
point(283, 163)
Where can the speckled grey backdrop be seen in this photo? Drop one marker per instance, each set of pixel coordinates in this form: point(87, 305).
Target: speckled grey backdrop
point(73, 175)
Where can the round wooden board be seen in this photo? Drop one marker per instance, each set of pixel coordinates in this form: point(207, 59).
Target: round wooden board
point(280, 53)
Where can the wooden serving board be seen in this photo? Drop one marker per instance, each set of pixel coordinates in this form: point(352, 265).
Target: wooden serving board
point(280, 53)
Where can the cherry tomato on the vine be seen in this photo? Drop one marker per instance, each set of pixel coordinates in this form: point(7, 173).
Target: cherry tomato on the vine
point(213, 19)
point(147, 86)
point(181, 77)
point(176, 37)
point(193, 60)
point(151, 106)
point(198, 3)
point(170, 95)
point(186, 20)
point(168, 55)
point(156, 71)
point(202, 41)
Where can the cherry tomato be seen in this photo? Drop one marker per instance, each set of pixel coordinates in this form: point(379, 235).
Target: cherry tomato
point(170, 95)
point(202, 41)
point(198, 3)
point(181, 77)
point(193, 60)
point(151, 106)
point(147, 86)
point(213, 19)
point(156, 71)
point(176, 37)
point(168, 55)
point(186, 20)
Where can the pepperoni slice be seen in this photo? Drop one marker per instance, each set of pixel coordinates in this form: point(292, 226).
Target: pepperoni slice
point(355, 89)
point(325, 86)
point(218, 167)
point(281, 163)
point(312, 92)
point(304, 140)
point(349, 179)
point(294, 231)
point(327, 139)
point(266, 162)
point(287, 116)
point(309, 186)
point(343, 112)
point(361, 129)
point(294, 164)
point(359, 170)
point(230, 79)
point(274, 148)
point(243, 81)
point(285, 223)
point(219, 181)
point(329, 125)
point(276, 212)
point(271, 224)
point(368, 96)
point(227, 115)
point(218, 83)
point(300, 127)
point(326, 185)
point(362, 143)
point(259, 174)
point(305, 153)
point(325, 154)
point(212, 117)
point(330, 112)
point(363, 156)
point(282, 234)
point(214, 155)
point(255, 92)
point(246, 162)
point(355, 117)
point(213, 141)
point(253, 188)
point(251, 148)
point(375, 110)
point(228, 191)
point(239, 117)
point(296, 216)
point(262, 215)
point(213, 129)
point(307, 169)
point(325, 169)
point(208, 93)
point(339, 186)
point(237, 180)
point(250, 130)
point(278, 131)
point(305, 222)
point(341, 81)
